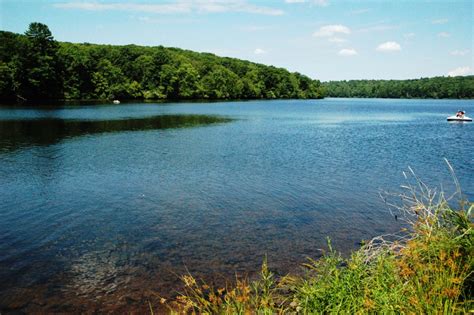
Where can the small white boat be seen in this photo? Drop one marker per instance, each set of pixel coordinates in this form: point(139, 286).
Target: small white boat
point(116, 102)
point(459, 118)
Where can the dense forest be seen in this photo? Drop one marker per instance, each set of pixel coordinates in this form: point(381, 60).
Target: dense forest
point(438, 87)
point(34, 66)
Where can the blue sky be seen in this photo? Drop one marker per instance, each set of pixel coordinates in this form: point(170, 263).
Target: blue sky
point(324, 39)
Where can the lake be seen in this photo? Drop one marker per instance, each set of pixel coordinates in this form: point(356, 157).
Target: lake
point(103, 205)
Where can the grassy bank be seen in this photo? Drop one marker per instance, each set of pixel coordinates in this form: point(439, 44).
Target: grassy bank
point(426, 269)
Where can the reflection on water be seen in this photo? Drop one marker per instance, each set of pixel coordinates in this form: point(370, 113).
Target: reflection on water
point(46, 131)
point(97, 220)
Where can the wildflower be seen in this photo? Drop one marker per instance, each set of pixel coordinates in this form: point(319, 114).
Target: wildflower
point(451, 292)
point(452, 264)
point(442, 255)
point(242, 298)
point(405, 270)
point(189, 281)
point(456, 280)
point(369, 304)
point(212, 298)
point(425, 279)
point(413, 301)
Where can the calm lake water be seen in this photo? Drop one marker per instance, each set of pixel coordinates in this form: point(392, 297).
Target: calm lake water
point(102, 205)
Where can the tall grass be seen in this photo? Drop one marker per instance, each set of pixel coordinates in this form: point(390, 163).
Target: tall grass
point(427, 268)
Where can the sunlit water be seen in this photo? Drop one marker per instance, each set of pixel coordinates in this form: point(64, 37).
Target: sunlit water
point(96, 213)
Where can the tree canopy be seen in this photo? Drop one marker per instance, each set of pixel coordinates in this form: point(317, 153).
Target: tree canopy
point(437, 87)
point(35, 66)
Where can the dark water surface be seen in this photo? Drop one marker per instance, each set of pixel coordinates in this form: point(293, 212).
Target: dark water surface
point(103, 205)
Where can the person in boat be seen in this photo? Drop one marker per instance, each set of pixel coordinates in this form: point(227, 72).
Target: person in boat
point(460, 114)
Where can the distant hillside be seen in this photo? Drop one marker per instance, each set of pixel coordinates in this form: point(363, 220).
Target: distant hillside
point(438, 87)
point(34, 66)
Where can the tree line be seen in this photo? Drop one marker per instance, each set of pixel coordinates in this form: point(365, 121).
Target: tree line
point(33, 66)
point(437, 87)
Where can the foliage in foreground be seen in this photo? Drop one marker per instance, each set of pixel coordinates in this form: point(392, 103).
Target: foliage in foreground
point(426, 270)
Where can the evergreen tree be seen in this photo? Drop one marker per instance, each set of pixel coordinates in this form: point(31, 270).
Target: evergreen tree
point(41, 72)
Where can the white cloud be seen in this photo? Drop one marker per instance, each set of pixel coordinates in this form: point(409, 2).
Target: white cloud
point(459, 52)
point(360, 11)
point(389, 47)
point(179, 6)
point(330, 30)
point(378, 28)
point(154, 19)
point(347, 52)
point(460, 71)
point(320, 3)
point(146, 19)
point(440, 21)
point(221, 52)
point(259, 51)
point(151, 8)
point(409, 35)
point(444, 34)
point(255, 28)
point(337, 40)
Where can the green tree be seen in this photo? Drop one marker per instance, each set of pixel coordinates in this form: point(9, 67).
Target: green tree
point(222, 83)
point(252, 84)
point(109, 81)
point(188, 81)
point(7, 90)
point(41, 72)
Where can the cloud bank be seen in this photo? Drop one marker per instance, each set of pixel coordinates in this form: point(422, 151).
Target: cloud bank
point(460, 71)
point(320, 3)
point(460, 52)
point(181, 6)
